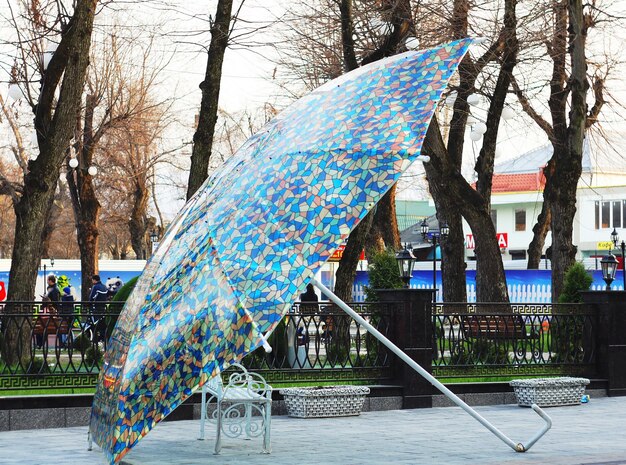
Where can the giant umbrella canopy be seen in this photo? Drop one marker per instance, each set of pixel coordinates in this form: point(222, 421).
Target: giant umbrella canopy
point(246, 244)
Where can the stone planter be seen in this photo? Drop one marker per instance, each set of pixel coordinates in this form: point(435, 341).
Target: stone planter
point(549, 392)
point(330, 401)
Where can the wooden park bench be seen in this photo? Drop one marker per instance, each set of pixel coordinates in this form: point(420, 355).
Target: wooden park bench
point(50, 324)
point(496, 327)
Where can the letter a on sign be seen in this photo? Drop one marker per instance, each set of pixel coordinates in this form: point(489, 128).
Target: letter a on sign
point(503, 240)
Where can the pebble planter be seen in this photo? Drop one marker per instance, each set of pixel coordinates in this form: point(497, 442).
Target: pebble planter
point(549, 392)
point(329, 401)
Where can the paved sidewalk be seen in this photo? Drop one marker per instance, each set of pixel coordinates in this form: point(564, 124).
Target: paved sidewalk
point(590, 434)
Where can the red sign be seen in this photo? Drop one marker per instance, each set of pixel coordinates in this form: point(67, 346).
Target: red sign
point(3, 291)
point(335, 257)
point(503, 240)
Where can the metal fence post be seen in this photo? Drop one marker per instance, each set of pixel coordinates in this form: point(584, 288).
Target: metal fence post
point(610, 307)
point(412, 332)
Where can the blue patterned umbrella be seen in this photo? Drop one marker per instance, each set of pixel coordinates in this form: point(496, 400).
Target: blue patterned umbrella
point(244, 247)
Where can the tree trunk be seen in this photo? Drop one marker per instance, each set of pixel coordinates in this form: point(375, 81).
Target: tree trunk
point(400, 14)
point(50, 226)
point(569, 162)
point(384, 232)
point(453, 248)
point(452, 262)
point(456, 196)
point(138, 222)
point(490, 277)
point(347, 36)
point(346, 271)
point(85, 203)
point(54, 124)
point(86, 216)
point(203, 138)
point(540, 231)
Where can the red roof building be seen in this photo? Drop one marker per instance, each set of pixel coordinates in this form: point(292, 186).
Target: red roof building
point(517, 182)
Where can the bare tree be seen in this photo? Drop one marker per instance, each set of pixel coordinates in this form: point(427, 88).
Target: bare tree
point(453, 195)
point(203, 138)
point(55, 112)
point(133, 153)
point(570, 117)
point(115, 93)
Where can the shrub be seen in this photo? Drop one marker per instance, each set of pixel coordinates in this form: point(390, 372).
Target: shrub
point(123, 292)
point(576, 279)
point(37, 366)
point(121, 295)
point(567, 329)
point(93, 355)
point(382, 274)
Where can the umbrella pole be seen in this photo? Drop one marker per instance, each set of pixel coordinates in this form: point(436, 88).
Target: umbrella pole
point(518, 447)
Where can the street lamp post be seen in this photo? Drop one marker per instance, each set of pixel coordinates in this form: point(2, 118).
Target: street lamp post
point(406, 261)
point(609, 266)
point(615, 239)
point(435, 237)
point(45, 274)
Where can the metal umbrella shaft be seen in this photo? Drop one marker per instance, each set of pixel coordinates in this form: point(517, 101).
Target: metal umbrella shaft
point(518, 447)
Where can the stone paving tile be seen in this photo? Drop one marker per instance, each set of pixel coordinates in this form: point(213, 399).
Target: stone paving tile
point(4, 420)
point(590, 434)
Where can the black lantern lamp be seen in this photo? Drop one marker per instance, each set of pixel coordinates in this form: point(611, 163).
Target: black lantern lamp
point(444, 230)
point(622, 246)
point(609, 267)
point(406, 261)
point(154, 237)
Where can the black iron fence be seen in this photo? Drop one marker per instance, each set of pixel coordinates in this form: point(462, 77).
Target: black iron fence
point(501, 339)
point(319, 342)
point(56, 345)
point(65, 344)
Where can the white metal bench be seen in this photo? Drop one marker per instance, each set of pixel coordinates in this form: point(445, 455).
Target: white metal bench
point(243, 405)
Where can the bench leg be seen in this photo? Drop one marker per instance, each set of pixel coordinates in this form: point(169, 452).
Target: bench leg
point(218, 438)
point(267, 420)
point(202, 414)
point(248, 420)
point(89, 441)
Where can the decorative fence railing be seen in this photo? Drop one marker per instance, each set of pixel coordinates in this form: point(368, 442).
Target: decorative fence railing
point(489, 340)
point(318, 342)
point(314, 342)
point(62, 347)
point(54, 346)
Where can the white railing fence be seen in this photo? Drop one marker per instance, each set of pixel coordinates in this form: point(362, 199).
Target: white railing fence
point(518, 293)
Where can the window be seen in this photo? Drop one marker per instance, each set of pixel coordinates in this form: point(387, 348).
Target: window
point(520, 220)
point(494, 218)
point(518, 254)
point(617, 214)
point(606, 213)
point(610, 214)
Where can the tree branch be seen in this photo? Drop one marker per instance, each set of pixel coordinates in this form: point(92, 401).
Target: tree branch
point(598, 93)
point(530, 111)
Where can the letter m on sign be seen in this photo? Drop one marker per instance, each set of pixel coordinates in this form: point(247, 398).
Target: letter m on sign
point(469, 241)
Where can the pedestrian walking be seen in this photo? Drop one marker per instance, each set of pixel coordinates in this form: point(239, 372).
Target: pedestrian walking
point(99, 296)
